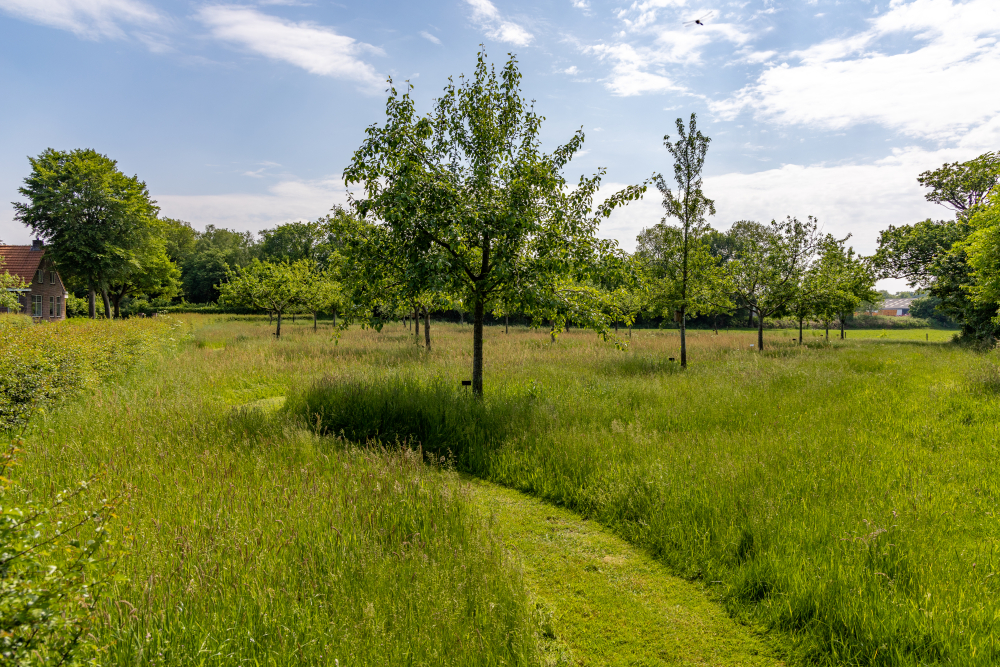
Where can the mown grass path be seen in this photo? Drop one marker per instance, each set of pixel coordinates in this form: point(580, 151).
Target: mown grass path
point(610, 603)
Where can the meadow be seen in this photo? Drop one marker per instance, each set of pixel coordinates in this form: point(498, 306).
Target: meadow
point(297, 501)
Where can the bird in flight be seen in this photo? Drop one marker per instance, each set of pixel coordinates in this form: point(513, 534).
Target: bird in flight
point(698, 21)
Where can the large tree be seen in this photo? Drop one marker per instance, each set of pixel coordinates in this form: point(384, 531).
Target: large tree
point(467, 196)
point(961, 186)
point(690, 207)
point(93, 218)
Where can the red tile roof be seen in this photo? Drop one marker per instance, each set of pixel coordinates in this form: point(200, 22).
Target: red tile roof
point(20, 260)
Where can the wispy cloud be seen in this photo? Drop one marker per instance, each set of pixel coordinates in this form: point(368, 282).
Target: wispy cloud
point(315, 48)
point(429, 37)
point(91, 19)
point(652, 39)
point(489, 19)
point(938, 85)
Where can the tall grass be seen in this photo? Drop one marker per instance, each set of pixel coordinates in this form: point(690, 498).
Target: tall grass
point(842, 495)
point(254, 541)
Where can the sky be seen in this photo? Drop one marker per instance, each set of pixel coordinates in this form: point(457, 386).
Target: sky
point(244, 115)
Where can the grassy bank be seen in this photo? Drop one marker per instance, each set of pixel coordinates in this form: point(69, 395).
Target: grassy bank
point(252, 541)
point(840, 494)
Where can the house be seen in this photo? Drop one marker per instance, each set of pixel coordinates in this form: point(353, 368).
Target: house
point(895, 307)
point(45, 296)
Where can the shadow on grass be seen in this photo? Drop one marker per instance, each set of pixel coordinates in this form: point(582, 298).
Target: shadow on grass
point(436, 416)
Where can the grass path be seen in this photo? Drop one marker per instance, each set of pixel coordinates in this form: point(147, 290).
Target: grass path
point(610, 603)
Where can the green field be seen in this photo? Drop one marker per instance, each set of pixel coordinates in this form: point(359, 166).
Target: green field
point(837, 499)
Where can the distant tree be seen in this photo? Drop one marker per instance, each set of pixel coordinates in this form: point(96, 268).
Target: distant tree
point(690, 207)
point(768, 264)
point(93, 218)
point(844, 281)
point(961, 186)
point(149, 272)
point(8, 282)
point(180, 239)
point(267, 286)
point(471, 183)
point(322, 294)
point(215, 252)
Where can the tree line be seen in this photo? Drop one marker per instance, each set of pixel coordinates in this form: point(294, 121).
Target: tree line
point(461, 209)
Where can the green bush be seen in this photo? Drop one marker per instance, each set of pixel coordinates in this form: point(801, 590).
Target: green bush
point(50, 573)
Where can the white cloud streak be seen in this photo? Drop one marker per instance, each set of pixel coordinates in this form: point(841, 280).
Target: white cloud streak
point(486, 15)
point(284, 202)
point(939, 89)
point(429, 37)
point(91, 19)
point(315, 48)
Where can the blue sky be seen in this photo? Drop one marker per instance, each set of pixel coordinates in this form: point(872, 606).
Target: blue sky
point(244, 114)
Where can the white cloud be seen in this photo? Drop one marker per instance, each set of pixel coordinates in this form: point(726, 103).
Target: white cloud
point(426, 35)
point(286, 201)
point(646, 46)
point(489, 19)
point(571, 70)
point(315, 48)
point(942, 86)
point(91, 19)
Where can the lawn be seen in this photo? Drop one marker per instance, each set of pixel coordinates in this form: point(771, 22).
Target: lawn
point(838, 496)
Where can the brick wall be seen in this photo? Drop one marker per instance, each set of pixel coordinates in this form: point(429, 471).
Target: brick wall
point(52, 293)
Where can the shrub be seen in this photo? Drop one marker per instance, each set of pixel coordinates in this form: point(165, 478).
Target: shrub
point(50, 573)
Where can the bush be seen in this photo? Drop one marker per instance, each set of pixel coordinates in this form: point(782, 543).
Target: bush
point(50, 574)
point(77, 307)
point(40, 363)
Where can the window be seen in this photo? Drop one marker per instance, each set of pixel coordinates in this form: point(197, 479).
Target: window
point(52, 306)
point(36, 306)
point(58, 306)
point(41, 276)
point(52, 277)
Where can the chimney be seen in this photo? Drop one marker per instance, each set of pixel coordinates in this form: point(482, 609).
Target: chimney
point(36, 245)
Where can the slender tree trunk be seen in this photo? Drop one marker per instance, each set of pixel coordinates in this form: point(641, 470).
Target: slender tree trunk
point(314, 322)
point(842, 336)
point(715, 324)
point(630, 332)
point(427, 329)
point(92, 303)
point(116, 302)
point(334, 318)
point(477, 346)
point(461, 316)
point(277, 334)
point(827, 330)
point(270, 317)
point(416, 325)
point(750, 319)
point(684, 349)
point(616, 327)
point(552, 330)
point(800, 330)
point(107, 303)
point(760, 332)
point(506, 324)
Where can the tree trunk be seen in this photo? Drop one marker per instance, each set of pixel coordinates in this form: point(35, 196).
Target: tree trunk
point(842, 326)
point(684, 349)
point(92, 303)
point(461, 316)
point(800, 330)
point(277, 334)
point(506, 324)
point(334, 318)
point(477, 347)
point(416, 325)
point(715, 324)
point(427, 329)
point(827, 331)
point(760, 332)
point(630, 332)
point(750, 319)
point(116, 302)
point(107, 303)
point(270, 317)
point(616, 327)
point(314, 322)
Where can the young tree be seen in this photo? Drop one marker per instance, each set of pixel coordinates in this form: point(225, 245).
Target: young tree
point(690, 206)
point(149, 272)
point(9, 284)
point(272, 287)
point(768, 264)
point(93, 218)
point(469, 199)
point(696, 282)
point(322, 294)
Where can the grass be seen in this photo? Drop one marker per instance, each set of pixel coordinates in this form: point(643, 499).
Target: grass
point(605, 602)
point(839, 495)
point(254, 541)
